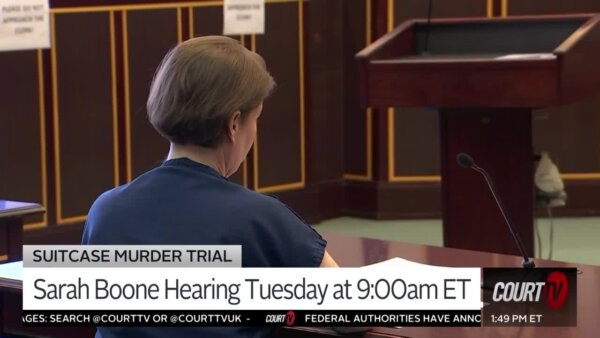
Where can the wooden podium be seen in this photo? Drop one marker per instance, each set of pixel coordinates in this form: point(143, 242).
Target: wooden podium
point(11, 226)
point(485, 76)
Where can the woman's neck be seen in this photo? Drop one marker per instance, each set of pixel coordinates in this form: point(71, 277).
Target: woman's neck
point(207, 156)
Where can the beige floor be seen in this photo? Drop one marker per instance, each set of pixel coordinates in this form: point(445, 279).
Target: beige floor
point(575, 239)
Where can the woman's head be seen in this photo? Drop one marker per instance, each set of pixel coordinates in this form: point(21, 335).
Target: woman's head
point(204, 92)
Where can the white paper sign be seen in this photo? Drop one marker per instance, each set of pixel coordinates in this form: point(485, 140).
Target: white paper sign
point(24, 24)
point(243, 17)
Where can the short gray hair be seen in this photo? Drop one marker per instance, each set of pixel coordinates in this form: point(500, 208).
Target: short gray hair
point(200, 84)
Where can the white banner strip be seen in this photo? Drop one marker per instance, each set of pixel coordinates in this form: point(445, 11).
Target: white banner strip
point(395, 285)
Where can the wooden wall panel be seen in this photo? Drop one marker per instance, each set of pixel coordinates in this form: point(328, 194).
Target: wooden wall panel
point(22, 129)
point(416, 142)
point(278, 155)
point(409, 9)
point(84, 115)
point(525, 7)
point(325, 156)
point(356, 36)
point(571, 134)
point(149, 35)
point(207, 20)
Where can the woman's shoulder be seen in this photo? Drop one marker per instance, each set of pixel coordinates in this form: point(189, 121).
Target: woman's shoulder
point(265, 207)
point(254, 200)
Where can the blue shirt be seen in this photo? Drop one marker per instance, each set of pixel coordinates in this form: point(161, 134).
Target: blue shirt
point(185, 202)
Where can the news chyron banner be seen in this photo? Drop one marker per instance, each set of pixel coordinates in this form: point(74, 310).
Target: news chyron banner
point(206, 286)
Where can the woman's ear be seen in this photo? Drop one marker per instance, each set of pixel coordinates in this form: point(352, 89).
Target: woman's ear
point(233, 125)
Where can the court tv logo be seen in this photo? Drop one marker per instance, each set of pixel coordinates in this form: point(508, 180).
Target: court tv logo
point(553, 292)
point(290, 318)
point(548, 295)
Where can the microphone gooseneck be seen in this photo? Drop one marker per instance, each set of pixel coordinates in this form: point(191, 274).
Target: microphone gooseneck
point(426, 48)
point(466, 161)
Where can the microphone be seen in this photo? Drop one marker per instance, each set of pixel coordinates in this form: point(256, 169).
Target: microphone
point(466, 161)
point(426, 47)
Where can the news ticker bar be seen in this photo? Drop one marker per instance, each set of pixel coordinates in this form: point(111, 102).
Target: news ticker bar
point(342, 318)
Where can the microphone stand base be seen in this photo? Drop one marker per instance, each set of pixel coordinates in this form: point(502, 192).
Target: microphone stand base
point(528, 264)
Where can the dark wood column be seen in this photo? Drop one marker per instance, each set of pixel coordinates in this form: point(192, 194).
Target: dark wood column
point(499, 140)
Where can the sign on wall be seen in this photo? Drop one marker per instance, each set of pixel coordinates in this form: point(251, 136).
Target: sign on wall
point(24, 24)
point(243, 17)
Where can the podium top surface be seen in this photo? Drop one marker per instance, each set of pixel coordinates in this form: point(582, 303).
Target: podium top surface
point(545, 61)
point(494, 37)
point(16, 208)
point(482, 36)
point(11, 276)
